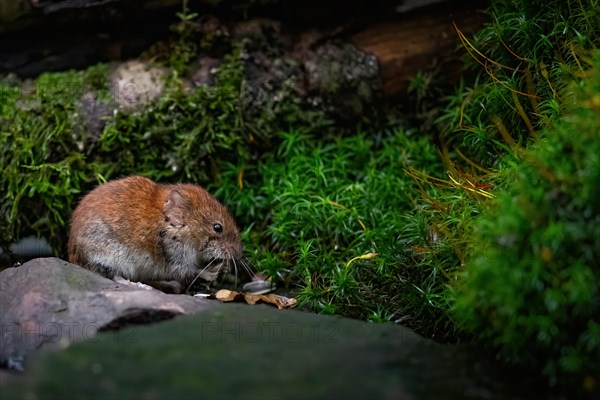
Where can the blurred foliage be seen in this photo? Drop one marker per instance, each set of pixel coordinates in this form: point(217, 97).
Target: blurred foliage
point(529, 125)
point(532, 284)
point(521, 126)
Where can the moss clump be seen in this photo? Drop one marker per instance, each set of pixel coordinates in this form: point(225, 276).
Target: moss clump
point(521, 129)
point(529, 125)
point(532, 286)
point(41, 168)
point(313, 206)
point(190, 134)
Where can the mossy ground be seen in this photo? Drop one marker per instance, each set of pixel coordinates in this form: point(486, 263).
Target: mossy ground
point(383, 224)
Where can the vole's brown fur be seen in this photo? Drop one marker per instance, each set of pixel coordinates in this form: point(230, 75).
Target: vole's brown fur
point(144, 231)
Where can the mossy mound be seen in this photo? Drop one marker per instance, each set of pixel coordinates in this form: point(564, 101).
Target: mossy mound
point(532, 286)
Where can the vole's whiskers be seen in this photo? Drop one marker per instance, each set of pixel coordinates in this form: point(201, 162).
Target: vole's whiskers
point(203, 251)
point(222, 276)
point(249, 270)
point(236, 271)
point(199, 273)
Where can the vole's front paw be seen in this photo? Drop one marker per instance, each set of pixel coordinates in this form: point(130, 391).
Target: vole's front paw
point(127, 282)
point(173, 287)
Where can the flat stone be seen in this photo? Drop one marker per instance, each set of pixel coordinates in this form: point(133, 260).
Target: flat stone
point(136, 83)
point(49, 302)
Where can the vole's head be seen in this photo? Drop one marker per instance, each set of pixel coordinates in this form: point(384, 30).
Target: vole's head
point(201, 230)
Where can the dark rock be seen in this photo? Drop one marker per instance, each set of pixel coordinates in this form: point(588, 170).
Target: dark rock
point(222, 351)
point(242, 351)
point(345, 78)
point(49, 302)
point(283, 68)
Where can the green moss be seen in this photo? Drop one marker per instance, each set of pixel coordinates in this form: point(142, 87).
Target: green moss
point(315, 205)
point(532, 286)
point(527, 125)
point(521, 128)
point(522, 59)
point(41, 169)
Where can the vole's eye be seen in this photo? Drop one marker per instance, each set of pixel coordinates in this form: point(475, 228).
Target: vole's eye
point(218, 228)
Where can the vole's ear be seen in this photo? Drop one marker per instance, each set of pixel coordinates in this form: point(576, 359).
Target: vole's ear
point(174, 209)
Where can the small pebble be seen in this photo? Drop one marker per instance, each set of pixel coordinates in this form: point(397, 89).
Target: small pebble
point(259, 287)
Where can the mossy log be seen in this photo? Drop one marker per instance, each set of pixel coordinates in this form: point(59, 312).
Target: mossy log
point(349, 66)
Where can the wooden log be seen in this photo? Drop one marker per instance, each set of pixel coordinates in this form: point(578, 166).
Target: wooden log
point(421, 40)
